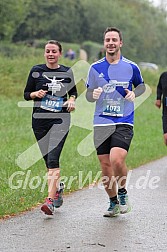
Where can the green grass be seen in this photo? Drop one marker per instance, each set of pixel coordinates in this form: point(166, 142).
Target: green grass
point(147, 143)
point(16, 137)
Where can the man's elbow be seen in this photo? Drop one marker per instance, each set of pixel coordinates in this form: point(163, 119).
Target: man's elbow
point(140, 90)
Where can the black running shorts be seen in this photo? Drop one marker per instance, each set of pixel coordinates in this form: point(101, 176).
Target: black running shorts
point(107, 137)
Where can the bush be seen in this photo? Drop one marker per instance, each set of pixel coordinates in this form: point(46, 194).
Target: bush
point(92, 49)
point(17, 50)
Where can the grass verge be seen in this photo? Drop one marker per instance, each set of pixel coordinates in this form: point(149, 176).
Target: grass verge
point(28, 188)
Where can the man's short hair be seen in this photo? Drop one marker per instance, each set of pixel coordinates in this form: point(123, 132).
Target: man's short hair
point(110, 29)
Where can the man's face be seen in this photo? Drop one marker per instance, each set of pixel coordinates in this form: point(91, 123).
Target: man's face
point(112, 42)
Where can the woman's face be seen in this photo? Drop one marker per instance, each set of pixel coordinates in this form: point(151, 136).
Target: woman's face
point(52, 54)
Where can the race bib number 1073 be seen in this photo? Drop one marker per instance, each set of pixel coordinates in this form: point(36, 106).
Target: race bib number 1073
point(113, 108)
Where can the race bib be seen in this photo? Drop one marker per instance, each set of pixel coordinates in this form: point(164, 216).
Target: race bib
point(113, 107)
point(52, 103)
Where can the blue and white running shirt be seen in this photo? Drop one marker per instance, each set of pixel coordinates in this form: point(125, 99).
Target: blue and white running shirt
point(112, 107)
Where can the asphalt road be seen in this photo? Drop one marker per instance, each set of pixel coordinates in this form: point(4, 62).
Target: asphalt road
point(79, 225)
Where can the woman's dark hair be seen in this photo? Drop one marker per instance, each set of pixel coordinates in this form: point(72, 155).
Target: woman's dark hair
point(55, 43)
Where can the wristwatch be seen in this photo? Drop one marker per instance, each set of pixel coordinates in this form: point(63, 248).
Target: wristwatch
point(73, 96)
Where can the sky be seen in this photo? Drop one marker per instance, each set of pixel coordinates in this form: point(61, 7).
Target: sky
point(157, 2)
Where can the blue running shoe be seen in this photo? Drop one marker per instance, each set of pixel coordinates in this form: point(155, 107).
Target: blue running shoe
point(124, 203)
point(113, 210)
point(48, 207)
point(58, 199)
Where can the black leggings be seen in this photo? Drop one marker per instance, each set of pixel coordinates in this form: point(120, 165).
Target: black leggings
point(51, 142)
point(164, 116)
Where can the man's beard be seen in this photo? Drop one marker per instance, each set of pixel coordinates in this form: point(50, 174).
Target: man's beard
point(111, 54)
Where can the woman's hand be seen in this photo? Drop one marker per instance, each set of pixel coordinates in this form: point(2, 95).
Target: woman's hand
point(38, 94)
point(70, 104)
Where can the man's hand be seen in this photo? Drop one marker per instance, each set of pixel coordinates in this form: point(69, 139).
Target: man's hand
point(158, 103)
point(130, 95)
point(165, 139)
point(97, 92)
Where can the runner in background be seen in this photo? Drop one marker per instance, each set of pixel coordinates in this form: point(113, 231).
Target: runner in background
point(162, 99)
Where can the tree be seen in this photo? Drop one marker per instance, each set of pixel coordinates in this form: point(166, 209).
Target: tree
point(144, 27)
point(12, 13)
